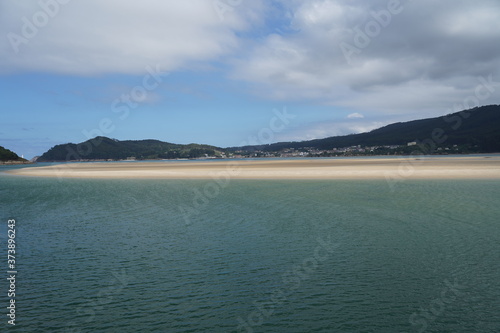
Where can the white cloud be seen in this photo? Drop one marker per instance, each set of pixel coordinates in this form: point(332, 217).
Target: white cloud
point(320, 130)
point(424, 61)
point(355, 115)
point(118, 36)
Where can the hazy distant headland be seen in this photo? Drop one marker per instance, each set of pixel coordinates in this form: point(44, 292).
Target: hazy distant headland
point(470, 131)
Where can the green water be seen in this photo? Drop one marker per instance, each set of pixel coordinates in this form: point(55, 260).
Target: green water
point(252, 256)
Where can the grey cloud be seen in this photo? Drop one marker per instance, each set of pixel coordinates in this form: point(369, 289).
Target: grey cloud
point(429, 55)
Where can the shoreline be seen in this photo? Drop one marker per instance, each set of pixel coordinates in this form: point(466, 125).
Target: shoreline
point(461, 167)
point(15, 162)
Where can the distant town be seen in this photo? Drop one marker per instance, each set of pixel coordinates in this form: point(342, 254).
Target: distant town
point(409, 148)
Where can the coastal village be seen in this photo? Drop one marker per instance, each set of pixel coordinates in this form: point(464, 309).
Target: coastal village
point(358, 150)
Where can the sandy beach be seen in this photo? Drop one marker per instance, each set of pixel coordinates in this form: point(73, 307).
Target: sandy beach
point(466, 167)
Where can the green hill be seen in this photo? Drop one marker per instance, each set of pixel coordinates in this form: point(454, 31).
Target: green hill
point(9, 156)
point(478, 130)
point(102, 148)
point(473, 131)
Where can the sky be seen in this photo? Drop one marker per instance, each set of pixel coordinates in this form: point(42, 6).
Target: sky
point(230, 72)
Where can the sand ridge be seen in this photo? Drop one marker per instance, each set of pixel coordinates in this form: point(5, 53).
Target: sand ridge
point(462, 167)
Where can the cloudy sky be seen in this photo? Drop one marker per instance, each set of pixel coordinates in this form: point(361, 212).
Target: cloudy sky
point(219, 71)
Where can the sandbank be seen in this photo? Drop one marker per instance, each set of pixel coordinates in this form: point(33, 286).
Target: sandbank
point(466, 167)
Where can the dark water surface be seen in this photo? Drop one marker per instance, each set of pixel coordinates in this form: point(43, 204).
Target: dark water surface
point(252, 256)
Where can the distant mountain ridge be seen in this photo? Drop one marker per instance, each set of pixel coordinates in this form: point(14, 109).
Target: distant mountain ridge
point(103, 148)
point(478, 128)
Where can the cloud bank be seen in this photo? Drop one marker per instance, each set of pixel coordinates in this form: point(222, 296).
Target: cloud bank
point(387, 56)
point(94, 37)
point(372, 58)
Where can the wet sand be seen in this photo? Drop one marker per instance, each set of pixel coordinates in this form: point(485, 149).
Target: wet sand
point(466, 167)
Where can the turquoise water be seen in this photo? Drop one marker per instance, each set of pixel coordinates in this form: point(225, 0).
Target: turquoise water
point(252, 256)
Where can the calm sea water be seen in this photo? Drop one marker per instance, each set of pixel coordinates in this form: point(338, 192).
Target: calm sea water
point(252, 256)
